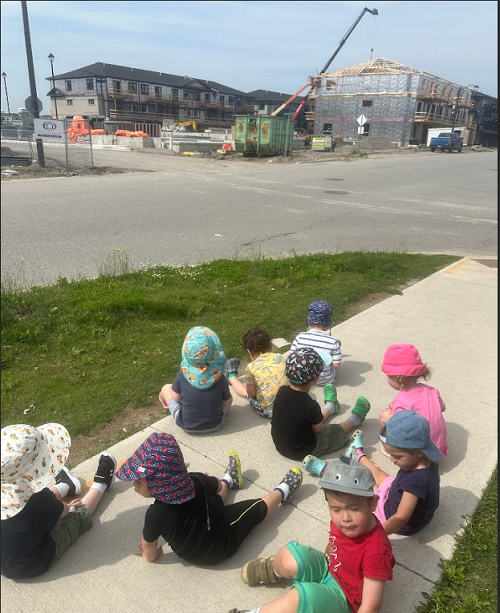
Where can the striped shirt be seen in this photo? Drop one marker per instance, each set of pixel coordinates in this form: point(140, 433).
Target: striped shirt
point(321, 339)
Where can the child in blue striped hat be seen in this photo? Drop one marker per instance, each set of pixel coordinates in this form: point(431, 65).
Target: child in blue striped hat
point(199, 398)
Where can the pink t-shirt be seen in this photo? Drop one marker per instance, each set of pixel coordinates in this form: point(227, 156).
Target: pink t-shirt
point(424, 400)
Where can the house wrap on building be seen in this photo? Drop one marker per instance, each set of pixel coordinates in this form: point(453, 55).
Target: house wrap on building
point(392, 100)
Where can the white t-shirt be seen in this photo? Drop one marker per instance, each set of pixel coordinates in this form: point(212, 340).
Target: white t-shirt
point(321, 339)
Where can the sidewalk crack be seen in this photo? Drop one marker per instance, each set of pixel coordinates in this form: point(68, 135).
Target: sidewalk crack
point(414, 572)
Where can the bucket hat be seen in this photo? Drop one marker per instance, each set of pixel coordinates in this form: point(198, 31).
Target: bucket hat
point(31, 458)
point(409, 430)
point(403, 360)
point(319, 313)
point(160, 460)
point(348, 476)
point(202, 357)
point(305, 364)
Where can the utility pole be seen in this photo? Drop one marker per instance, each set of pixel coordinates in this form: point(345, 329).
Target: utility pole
point(31, 72)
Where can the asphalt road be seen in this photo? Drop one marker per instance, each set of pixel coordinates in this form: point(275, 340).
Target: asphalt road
point(193, 210)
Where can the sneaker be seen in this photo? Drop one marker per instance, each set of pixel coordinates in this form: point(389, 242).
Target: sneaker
point(234, 470)
point(231, 366)
point(361, 408)
point(259, 572)
point(313, 465)
point(331, 396)
point(293, 479)
point(106, 470)
point(64, 476)
point(356, 443)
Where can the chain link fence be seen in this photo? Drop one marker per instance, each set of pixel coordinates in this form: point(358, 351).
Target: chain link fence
point(74, 153)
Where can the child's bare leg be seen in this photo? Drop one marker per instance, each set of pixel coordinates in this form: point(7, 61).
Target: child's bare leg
point(166, 393)
point(273, 501)
point(378, 474)
point(223, 490)
point(239, 388)
point(91, 500)
point(56, 492)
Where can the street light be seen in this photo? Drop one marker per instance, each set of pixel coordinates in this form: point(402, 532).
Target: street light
point(6, 94)
point(51, 60)
point(455, 104)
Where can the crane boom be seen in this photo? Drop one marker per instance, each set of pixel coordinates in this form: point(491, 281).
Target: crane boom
point(280, 108)
point(346, 36)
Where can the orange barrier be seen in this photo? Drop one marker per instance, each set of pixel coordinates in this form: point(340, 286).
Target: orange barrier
point(98, 131)
point(128, 133)
point(79, 127)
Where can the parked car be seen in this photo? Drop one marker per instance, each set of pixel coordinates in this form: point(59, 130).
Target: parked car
point(447, 141)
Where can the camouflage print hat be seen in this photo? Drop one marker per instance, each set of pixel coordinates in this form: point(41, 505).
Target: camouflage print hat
point(31, 459)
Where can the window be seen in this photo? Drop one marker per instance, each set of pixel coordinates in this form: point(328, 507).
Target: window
point(262, 106)
point(158, 90)
point(327, 128)
point(69, 102)
point(207, 97)
point(90, 84)
point(144, 108)
point(144, 88)
point(186, 95)
point(132, 87)
point(196, 112)
point(330, 84)
point(231, 99)
point(91, 101)
point(135, 107)
point(175, 94)
point(367, 102)
point(69, 86)
point(221, 99)
point(197, 96)
point(366, 128)
point(117, 85)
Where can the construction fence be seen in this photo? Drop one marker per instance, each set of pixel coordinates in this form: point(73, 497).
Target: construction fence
point(19, 148)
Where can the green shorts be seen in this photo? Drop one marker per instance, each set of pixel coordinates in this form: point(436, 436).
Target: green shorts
point(331, 438)
point(318, 590)
point(68, 529)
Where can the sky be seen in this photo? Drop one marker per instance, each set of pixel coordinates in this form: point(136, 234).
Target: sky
point(248, 45)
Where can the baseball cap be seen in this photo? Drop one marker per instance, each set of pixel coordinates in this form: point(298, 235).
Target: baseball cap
point(409, 430)
point(404, 360)
point(348, 476)
point(160, 460)
point(305, 364)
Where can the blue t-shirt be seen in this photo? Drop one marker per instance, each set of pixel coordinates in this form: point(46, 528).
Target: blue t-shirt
point(421, 482)
point(200, 409)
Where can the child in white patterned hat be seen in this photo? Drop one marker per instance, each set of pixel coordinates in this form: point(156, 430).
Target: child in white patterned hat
point(37, 527)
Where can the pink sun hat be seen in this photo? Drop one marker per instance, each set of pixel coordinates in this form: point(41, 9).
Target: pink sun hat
point(403, 360)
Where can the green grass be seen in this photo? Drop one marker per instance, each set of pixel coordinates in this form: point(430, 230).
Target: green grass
point(82, 352)
point(469, 581)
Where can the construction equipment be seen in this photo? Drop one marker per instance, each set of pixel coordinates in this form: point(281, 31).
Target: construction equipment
point(311, 81)
point(187, 124)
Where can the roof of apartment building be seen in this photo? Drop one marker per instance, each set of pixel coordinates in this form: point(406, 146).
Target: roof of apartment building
point(127, 73)
point(263, 95)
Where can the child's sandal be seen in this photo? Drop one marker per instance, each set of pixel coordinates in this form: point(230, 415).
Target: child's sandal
point(313, 465)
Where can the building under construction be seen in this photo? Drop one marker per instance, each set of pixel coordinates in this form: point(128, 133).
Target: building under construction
point(384, 98)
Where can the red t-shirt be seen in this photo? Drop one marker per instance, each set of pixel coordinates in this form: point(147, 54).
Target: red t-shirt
point(353, 559)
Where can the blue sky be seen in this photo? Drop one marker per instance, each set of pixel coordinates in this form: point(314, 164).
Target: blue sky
point(248, 45)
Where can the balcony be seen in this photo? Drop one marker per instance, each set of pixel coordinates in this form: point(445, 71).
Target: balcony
point(309, 115)
point(435, 118)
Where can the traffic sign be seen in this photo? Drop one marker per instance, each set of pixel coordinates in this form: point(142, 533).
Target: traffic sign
point(361, 120)
point(31, 104)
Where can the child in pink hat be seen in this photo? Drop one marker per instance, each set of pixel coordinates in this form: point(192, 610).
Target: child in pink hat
point(404, 367)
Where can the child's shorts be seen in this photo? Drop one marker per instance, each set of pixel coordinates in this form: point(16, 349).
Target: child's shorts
point(174, 407)
point(318, 590)
point(383, 492)
point(257, 407)
point(331, 438)
point(68, 529)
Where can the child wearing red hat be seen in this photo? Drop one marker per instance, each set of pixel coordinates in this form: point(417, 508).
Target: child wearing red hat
point(404, 367)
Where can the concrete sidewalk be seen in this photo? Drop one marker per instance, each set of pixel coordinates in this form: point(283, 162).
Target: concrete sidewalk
point(452, 318)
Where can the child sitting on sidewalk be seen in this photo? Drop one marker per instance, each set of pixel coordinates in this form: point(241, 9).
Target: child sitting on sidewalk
point(36, 526)
point(263, 376)
point(318, 336)
point(199, 398)
point(351, 576)
point(404, 367)
point(408, 501)
point(188, 510)
point(297, 425)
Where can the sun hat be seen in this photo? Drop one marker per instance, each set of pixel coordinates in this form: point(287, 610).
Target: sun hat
point(348, 476)
point(305, 364)
point(160, 460)
point(202, 357)
point(319, 313)
point(403, 360)
point(31, 458)
point(409, 430)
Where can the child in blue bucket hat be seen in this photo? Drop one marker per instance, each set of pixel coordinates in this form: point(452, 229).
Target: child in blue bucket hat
point(188, 510)
point(199, 397)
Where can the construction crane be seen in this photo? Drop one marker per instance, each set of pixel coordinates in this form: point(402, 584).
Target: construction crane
point(326, 66)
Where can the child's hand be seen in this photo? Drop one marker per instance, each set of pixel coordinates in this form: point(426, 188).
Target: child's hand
point(76, 503)
point(329, 549)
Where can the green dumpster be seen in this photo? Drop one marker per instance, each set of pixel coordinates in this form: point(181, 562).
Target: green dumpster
point(263, 135)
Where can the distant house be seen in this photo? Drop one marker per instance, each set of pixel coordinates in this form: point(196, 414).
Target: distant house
point(110, 92)
point(266, 102)
point(384, 98)
point(486, 119)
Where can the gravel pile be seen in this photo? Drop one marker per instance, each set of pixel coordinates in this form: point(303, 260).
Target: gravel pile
point(376, 143)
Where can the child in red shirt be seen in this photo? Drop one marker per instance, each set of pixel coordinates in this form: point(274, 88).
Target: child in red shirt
point(350, 576)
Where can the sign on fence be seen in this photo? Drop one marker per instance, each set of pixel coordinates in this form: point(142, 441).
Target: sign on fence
point(49, 129)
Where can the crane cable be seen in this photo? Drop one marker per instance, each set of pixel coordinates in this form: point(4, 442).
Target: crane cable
point(374, 34)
